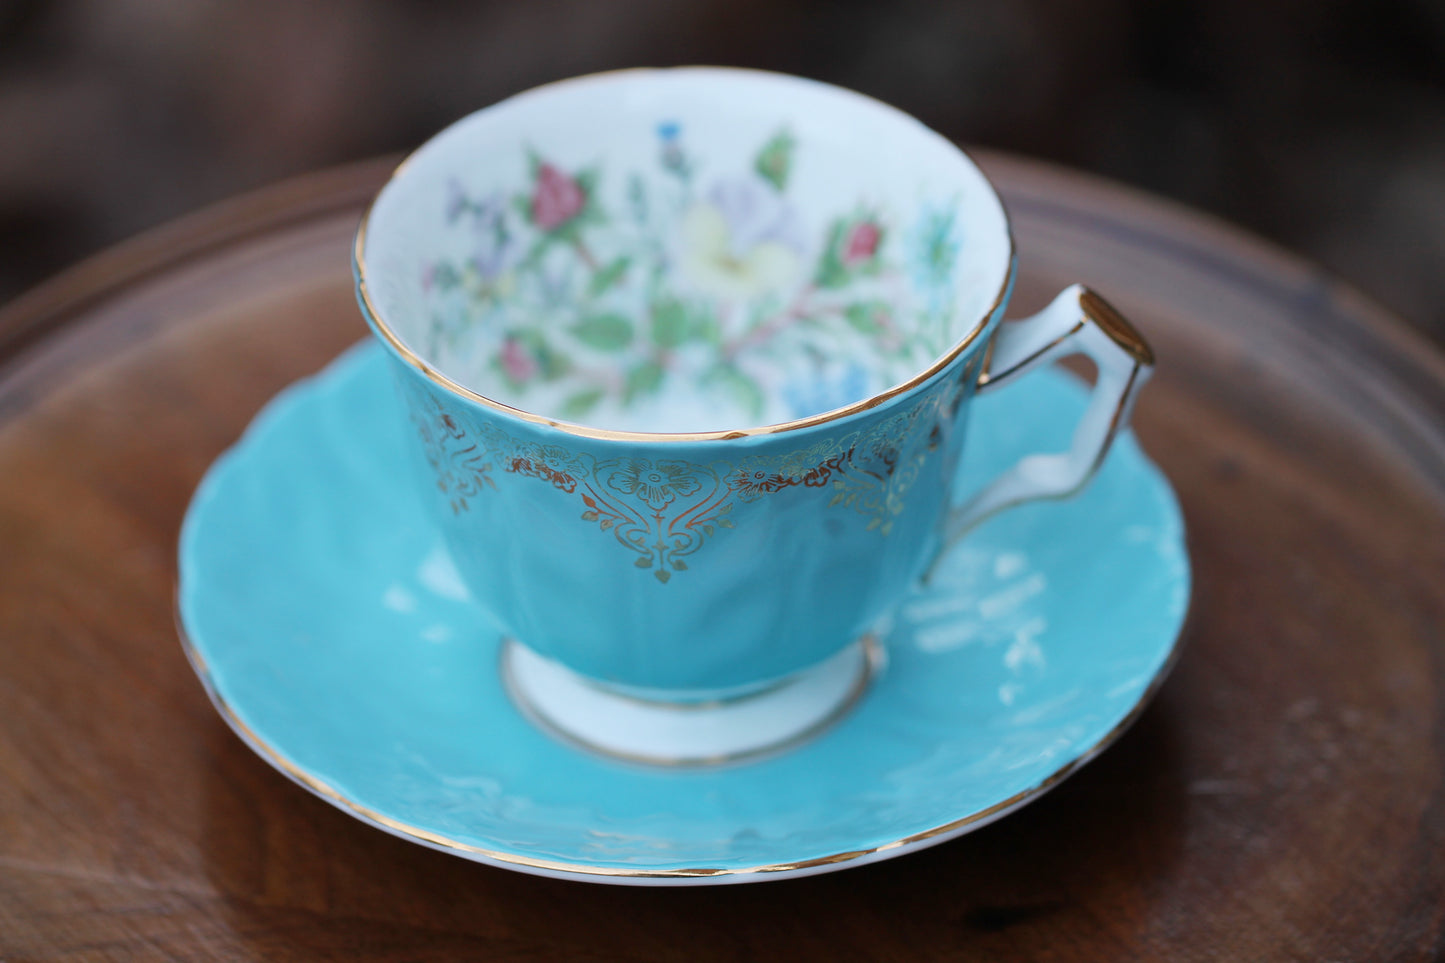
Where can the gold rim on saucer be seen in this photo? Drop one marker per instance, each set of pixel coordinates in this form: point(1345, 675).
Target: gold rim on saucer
point(936, 834)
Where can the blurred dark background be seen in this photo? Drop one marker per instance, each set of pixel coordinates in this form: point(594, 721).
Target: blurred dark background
point(1319, 124)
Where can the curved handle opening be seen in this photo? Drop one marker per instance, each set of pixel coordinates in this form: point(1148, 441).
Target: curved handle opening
point(1077, 322)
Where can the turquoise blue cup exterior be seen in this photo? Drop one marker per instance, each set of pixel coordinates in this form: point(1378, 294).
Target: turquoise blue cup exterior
point(708, 565)
point(688, 356)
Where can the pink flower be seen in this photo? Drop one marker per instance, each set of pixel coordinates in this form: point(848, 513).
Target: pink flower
point(517, 362)
point(557, 199)
point(861, 244)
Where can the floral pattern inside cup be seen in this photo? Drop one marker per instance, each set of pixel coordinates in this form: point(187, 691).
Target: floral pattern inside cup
point(588, 293)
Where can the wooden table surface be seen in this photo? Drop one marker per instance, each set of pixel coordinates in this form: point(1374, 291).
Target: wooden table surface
point(1284, 797)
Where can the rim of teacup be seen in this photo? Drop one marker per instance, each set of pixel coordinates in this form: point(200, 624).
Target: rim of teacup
point(404, 351)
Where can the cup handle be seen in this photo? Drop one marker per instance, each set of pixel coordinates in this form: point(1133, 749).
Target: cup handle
point(1077, 322)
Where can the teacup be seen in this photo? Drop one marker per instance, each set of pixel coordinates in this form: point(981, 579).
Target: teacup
point(688, 354)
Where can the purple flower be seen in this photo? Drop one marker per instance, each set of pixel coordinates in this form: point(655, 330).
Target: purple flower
point(755, 215)
point(742, 240)
point(492, 245)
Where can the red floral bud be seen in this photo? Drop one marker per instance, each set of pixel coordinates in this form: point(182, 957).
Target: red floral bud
point(557, 199)
point(517, 362)
point(861, 243)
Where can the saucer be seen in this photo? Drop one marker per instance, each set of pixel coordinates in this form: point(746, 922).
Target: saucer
point(331, 631)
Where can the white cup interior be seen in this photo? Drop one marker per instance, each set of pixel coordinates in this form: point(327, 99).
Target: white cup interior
point(690, 249)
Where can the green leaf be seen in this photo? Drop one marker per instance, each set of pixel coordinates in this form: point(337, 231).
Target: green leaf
point(605, 332)
point(523, 204)
point(578, 404)
point(592, 212)
point(608, 275)
point(445, 276)
point(644, 379)
point(867, 317)
point(637, 198)
point(775, 160)
point(744, 389)
point(551, 363)
point(669, 323)
point(831, 272)
point(704, 327)
point(554, 364)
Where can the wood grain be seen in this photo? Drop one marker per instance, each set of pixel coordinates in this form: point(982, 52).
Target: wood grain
point(1284, 798)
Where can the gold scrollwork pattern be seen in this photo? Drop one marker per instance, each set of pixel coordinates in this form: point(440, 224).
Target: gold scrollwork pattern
point(663, 510)
point(460, 466)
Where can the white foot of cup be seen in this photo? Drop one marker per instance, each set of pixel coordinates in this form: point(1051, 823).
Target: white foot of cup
point(659, 732)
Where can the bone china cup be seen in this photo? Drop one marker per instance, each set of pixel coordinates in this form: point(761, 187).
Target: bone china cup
point(687, 355)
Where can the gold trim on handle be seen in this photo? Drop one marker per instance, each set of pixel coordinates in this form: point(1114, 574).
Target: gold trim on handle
point(1114, 324)
point(1095, 309)
point(1116, 422)
point(988, 378)
point(1123, 336)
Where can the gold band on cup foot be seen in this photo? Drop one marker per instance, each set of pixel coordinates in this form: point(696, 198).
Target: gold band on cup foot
point(579, 711)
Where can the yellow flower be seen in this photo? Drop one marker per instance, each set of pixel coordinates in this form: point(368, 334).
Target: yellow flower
point(739, 243)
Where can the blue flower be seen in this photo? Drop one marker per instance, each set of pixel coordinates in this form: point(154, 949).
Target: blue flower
point(824, 393)
point(673, 158)
point(932, 249)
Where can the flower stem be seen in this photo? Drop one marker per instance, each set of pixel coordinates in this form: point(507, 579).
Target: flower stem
point(585, 254)
point(770, 328)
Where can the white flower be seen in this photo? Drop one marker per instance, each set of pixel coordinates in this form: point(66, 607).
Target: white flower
point(742, 241)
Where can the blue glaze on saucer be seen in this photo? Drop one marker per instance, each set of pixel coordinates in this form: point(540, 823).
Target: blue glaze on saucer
point(330, 627)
